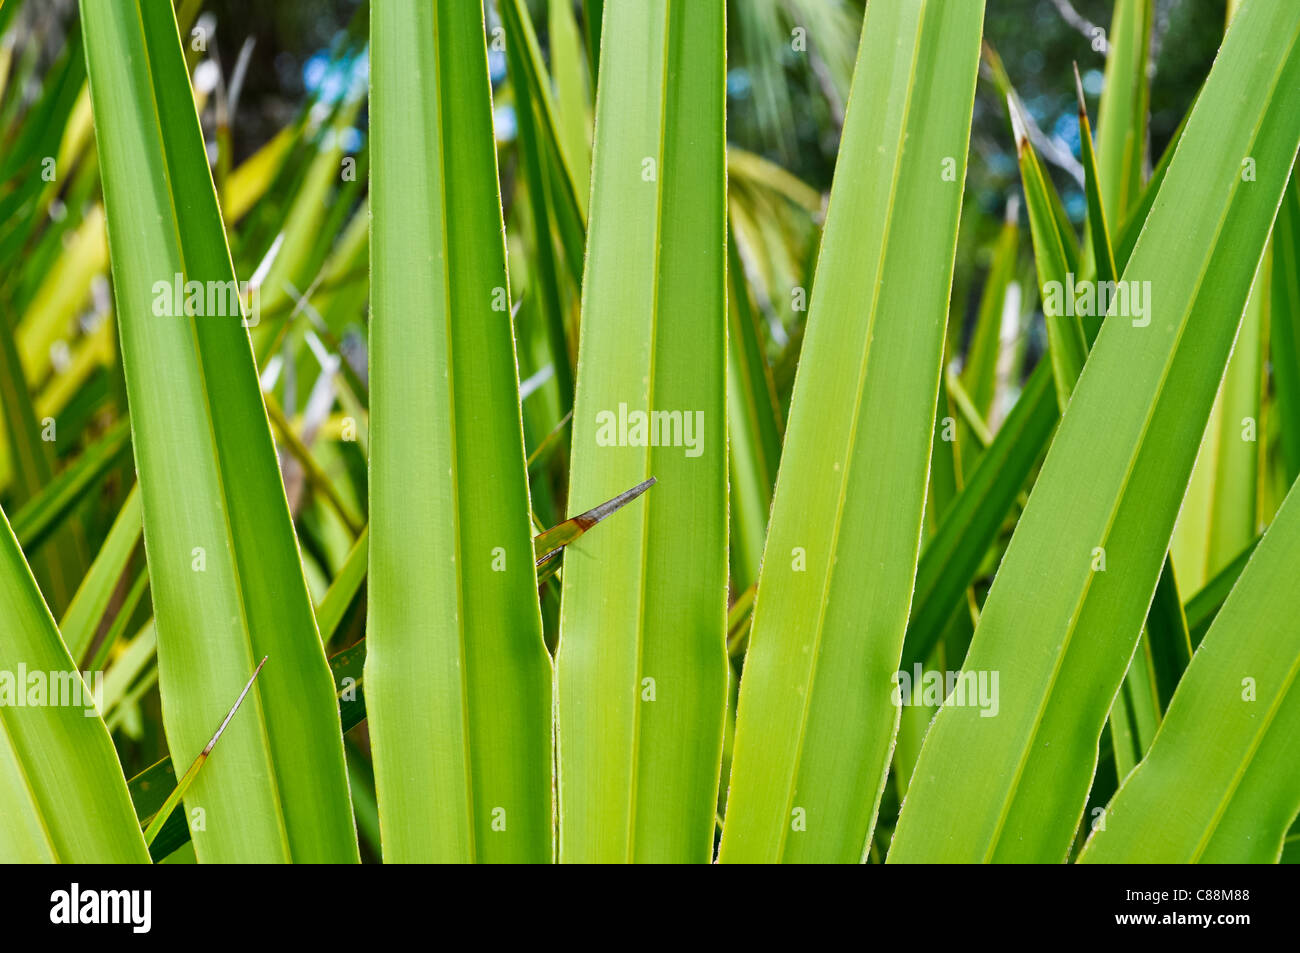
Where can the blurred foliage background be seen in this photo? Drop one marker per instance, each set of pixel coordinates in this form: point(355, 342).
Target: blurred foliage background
point(790, 64)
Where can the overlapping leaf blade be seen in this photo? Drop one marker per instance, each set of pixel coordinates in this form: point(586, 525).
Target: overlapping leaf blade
point(1284, 332)
point(62, 794)
point(1122, 121)
point(641, 669)
point(816, 720)
point(458, 683)
point(754, 433)
point(225, 573)
point(1220, 783)
point(1058, 629)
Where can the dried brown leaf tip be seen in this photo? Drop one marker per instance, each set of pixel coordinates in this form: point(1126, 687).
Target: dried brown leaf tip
point(549, 544)
point(1078, 90)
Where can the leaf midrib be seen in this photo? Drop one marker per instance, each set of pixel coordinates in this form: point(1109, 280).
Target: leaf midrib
point(1239, 773)
point(904, 125)
point(272, 775)
point(463, 667)
point(660, 175)
point(7, 738)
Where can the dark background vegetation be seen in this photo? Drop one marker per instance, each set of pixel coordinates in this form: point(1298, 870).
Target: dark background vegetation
point(795, 125)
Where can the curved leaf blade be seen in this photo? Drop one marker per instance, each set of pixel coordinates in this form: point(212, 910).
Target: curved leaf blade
point(225, 574)
point(815, 720)
point(1220, 783)
point(1059, 631)
point(62, 794)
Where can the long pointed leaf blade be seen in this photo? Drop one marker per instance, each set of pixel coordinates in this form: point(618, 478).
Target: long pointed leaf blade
point(1068, 341)
point(1220, 783)
point(1058, 628)
point(96, 590)
point(225, 574)
point(1221, 513)
point(816, 721)
point(1098, 225)
point(458, 683)
point(34, 459)
point(156, 825)
point(41, 515)
point(62, 794)
point(1284, 329)
point(641, 669)
point(1139, 697)
point(1122, 119)
point(532, 99)
point(754, 433)
point(951, 556)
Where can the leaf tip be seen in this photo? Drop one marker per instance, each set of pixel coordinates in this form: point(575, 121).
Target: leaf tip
point(1017, 124)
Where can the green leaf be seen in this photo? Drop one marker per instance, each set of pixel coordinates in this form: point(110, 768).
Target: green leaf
point(32, 451)
point(1067, 338)
point(293, 265)
point(458, 681)
point(1220, 784)
point(225, 575)
point(1098, 224)
point(344, 587)
point(816, 720)
point(1136, 711)
point(550, 544)
point(541, 152)
point(1170, 641)
point(1137, 216)
point(346, 667)
point(1202, 607)
point(132, 658)
point(42, 515)
point(1284, 329)
point(952, 556)
point(1015, 115)
point(641, 668)
point(980, 373)
point(91, 601)
point(164, 813)
point(754, 428)
point(593, 12)
point(1122, 118)
point(150, 788)
point(1059, 632)
point(1221, 513)
point(916, 715)
point(573, 104)
point(62, 794)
